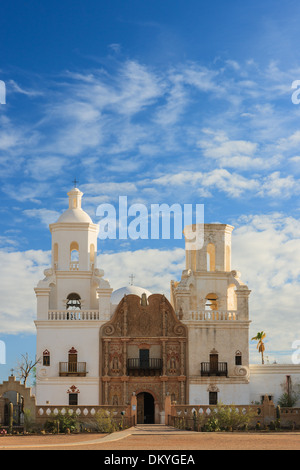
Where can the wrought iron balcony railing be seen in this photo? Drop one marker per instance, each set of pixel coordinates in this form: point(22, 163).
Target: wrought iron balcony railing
point(218, 369)
point(144, 365)
point(72, 368)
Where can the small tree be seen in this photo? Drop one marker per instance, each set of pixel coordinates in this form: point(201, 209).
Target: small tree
point(288, 400)
point(28, 420)
point(25, 367)
point(260, 344)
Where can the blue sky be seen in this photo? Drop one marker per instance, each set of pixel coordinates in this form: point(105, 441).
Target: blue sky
point(161, 101)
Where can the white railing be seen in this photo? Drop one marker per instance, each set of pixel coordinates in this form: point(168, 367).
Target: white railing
point(63, 315)
point(214, 315)
point(74, 266)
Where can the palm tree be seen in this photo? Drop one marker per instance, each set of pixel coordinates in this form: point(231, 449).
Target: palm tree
point(260, 345)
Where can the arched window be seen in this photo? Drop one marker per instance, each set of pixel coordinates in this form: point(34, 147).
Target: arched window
point(74, 251)
point(73, 302)
point(228, 259)
point(55, 254)
point(211, 302)
point(211, 257)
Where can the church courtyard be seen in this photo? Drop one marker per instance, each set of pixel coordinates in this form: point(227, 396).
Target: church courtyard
point(156, 438)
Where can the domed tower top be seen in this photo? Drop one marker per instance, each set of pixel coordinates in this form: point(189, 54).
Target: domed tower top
point(74, 237)
point(75, 214)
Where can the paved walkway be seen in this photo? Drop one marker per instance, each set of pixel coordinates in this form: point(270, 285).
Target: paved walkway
point(73, 440)
point(155, 437)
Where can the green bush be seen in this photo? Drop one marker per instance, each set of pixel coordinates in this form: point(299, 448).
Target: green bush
point(212, 424)
point(105, 423)
point(61, 423)
point(230, 418)
point(288, 400)
point(29, 424)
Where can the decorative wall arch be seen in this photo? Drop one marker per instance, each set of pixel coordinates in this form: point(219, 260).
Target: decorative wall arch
point(13, 385)
point(211, 257)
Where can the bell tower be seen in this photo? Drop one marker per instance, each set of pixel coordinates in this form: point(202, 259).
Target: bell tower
point(73, 302)
point(212, 301)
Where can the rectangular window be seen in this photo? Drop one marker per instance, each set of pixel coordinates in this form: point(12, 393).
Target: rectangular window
point(46, 361)
point(213, 398)
point(73, 399)
point(238, 360)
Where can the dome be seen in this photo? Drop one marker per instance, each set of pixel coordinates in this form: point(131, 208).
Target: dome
point(74, 216)
point(118, 294)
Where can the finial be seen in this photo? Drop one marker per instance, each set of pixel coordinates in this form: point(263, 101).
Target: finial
point(131, 277)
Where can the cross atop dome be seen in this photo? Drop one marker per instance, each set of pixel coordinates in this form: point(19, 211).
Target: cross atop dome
point(75, 182)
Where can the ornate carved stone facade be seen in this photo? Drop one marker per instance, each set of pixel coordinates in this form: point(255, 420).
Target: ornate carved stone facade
point(148, 326)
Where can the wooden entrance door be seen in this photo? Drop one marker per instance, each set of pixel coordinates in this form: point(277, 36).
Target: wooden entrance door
point(145, 408)
point(140, 408)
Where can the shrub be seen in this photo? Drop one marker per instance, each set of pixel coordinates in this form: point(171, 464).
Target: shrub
point(212, 424)
point(288, 400)
point(231, 418)
point(104, 422)
point(61, 423)
point(28, 421)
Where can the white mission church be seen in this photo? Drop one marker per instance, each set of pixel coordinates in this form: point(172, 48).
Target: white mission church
point(99, 346)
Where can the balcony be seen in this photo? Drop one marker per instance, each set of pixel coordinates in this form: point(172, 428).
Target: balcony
point(214, 315)
point(75, 369)
point(218, 369)
point(68, 315)
point(138, 367)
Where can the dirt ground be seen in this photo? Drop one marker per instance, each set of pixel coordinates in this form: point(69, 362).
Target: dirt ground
point(141, 439)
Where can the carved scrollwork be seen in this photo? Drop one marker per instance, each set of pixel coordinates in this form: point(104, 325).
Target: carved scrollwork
point(109, 330)
point(179, 330)
point(242, 371)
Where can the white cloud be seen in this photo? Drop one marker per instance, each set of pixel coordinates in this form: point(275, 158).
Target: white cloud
point(276, 186)
point(31, 93)
point(153, 269)
point(45, 216)
point(230, 153)
point(266, 249)
point(45, 167)
point(232, 184)
point(20, 273)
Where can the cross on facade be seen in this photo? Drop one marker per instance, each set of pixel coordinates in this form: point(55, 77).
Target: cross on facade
point(131, 277)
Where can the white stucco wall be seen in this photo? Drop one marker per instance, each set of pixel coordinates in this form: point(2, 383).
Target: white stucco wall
point(58, 338)
point(270, 379)
point(237, 394)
